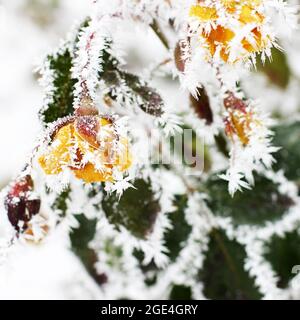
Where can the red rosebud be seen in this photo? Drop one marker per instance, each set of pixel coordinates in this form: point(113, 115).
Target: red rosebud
point(21, 203)
point(86, 107)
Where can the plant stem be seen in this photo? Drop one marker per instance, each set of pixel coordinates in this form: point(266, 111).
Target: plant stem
point(157, 30)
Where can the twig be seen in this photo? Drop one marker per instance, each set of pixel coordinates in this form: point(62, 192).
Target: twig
point(157, 30)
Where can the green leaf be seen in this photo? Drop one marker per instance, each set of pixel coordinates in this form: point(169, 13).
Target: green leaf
point(180, 292)
point(277, 70)
point(137, 91)
point(80, 239)
point(61, 103)
point(223, 271)
point(174, 240)
point(288, 158)
point(82, 236)
point(262, 204)
point(176, 237)
point(136, 210)
point(284, 254)
point(61, 99)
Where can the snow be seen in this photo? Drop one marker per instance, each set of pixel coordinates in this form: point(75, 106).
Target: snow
point(42, 272)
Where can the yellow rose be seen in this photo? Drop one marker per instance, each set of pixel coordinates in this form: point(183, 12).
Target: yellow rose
point(90, 147)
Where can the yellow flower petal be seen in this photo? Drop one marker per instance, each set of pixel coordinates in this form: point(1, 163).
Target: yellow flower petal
point(59, 153)
point(219, 36)
point(124, 159)
point(89, 174)
point(250, 15)
point(203, 13)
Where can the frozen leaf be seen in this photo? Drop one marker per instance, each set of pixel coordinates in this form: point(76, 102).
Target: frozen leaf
point(180, 292)
point(60, 204)
point(58, 81)
point(284, 254)
point(126, 87)
point(136, 210)
point(287, 136)
point(223, 272)
point(277, 69)
point(262, 204)
point(175, 238)
point(60, 102)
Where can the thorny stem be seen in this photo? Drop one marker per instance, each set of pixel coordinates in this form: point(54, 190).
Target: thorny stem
point(157, 30)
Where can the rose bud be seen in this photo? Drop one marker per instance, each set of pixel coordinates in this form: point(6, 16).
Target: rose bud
point(21, 203)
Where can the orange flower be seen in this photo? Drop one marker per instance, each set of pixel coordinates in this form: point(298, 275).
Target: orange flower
point(221, 36)
point(238, 123)
point(90, 147)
